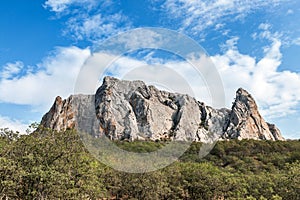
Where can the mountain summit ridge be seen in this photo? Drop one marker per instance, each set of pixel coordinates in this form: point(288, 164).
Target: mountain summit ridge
point(131, 110)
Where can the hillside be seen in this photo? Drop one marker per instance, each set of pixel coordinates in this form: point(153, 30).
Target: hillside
point(55, 165)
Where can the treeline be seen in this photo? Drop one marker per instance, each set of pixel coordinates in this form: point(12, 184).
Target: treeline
point(55, 165)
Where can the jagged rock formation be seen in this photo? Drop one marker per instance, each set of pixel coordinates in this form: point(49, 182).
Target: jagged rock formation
point(246, 122)
point(132, 110)
point(77, 111)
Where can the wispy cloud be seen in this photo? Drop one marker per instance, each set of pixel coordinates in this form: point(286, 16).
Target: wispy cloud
point(289, 12)
point(196, 16)
point(11, 69)
point(95, 27)
point(57, 5)
point(60, 6)
point(89, 20)
point(297, 41)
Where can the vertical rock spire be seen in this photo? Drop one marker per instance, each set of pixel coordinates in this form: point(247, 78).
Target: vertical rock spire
point(245, 121)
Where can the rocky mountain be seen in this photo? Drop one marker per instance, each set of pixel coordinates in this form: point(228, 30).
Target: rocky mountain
point(132, 110)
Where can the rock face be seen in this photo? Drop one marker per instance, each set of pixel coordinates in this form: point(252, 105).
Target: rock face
point(246, 122)
point(73, 112)
point(132, 110)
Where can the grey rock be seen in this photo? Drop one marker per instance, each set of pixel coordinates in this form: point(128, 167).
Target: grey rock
point(60, 116)
point(245, 121)
point(275, 132)
point(131, 110)
point(77, 111)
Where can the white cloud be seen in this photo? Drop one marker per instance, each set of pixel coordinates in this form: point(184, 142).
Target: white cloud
point(264, 26)
point(219, 26)
point(57, 5)
point(277, 92)
point(89, 20)
point(266, 33)
point(56, 76)
point(60, 6)
point(140, 38)
point(231, 43)
point(173, 75)
point(14, 125)
point(11, 69)
point(290, 11)
point(196, 16)
point(94, 27)
point(297, 41)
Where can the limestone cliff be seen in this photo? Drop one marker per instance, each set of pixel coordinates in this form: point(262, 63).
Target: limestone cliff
point(132, 110)
point(246, 122)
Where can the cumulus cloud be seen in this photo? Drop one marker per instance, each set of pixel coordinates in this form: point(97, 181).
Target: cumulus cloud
point(174, 76)
point(277, 92)
point(12, 124)
point(56, 75)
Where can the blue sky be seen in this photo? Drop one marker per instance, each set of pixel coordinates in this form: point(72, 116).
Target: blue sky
point(253, 44)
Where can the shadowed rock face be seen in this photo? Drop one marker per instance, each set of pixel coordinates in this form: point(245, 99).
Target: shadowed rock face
point(132, 110)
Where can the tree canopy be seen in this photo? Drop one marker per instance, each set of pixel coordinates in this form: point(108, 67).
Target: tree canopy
point(55, 165)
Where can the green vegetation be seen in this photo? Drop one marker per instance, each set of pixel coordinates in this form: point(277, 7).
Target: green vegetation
point(55, 165)
point(140, 146)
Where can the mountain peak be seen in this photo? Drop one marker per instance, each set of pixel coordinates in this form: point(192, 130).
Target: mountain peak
point(245, 121)
point(245, 97)
point(131, 110)
point(242, 91)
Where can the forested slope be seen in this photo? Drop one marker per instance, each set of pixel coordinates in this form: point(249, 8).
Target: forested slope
point(53, 165)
